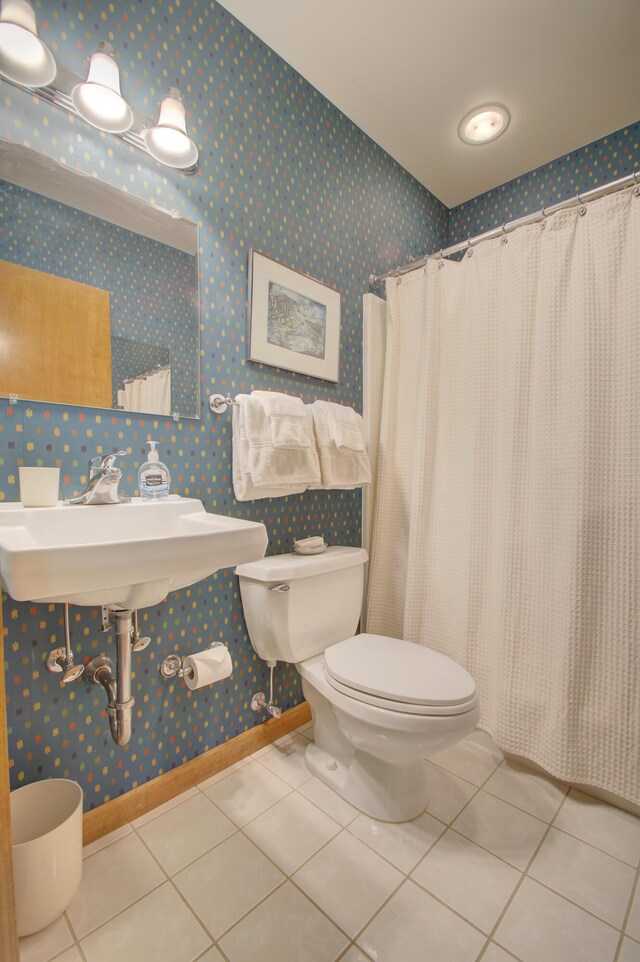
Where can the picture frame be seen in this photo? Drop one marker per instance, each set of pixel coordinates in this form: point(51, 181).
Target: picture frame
point(294, 320)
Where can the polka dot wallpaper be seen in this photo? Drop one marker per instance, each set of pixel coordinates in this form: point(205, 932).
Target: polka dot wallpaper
point(604, 160)
point(281, 170)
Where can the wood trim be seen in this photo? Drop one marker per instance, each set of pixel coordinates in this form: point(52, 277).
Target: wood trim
point(8, 933)
point(100, 821)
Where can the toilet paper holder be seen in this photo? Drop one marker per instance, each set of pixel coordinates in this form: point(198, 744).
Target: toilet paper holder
point(173, 665)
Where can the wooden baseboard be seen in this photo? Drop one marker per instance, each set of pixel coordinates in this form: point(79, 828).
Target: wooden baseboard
point(100, 821)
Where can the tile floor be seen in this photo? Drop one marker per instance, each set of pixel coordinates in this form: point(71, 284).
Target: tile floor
point(265, 862)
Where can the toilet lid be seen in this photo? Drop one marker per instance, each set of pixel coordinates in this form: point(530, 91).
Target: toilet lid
point(399, 672)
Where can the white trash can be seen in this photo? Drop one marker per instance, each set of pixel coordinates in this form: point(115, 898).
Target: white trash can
point(46, 822)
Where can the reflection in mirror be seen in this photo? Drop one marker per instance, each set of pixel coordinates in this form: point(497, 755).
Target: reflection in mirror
point(99, 301)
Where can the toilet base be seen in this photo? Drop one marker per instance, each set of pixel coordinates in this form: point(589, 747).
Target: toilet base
point(388, 793)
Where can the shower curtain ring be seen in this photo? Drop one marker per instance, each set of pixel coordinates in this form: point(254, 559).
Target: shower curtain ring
point(505, 239)
point(469, 246)
point(441, 262)
point(583, 209)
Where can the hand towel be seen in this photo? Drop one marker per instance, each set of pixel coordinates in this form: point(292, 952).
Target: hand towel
point(243, 486)
point(268, 465)
point(290, 419)
point(347, 466)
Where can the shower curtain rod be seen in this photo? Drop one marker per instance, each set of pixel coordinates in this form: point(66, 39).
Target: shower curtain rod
point(578, 201)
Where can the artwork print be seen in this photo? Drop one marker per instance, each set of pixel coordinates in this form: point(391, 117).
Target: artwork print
point(296, 322)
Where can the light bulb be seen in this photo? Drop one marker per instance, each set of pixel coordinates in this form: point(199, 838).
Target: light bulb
point(168, 142)
point(483, 124)
point(98, 100)
point(24, 58)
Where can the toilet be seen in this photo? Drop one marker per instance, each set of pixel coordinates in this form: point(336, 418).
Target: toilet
point(380, 705)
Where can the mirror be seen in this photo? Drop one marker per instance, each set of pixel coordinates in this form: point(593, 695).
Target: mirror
point(99, 302)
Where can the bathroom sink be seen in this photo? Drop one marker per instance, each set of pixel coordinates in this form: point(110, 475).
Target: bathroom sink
point(121, 555)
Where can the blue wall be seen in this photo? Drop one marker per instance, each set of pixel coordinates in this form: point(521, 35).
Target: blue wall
point(281, 170)
point(602, 161)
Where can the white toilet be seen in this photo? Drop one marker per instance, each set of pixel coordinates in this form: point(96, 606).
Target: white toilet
point(380, 705)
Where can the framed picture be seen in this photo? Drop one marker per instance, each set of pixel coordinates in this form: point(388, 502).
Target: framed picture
point(294, 320)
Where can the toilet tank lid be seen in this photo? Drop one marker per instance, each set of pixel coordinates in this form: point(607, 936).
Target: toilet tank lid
point(287, 567)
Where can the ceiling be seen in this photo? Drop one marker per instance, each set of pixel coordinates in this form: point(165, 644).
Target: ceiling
point(407, 71)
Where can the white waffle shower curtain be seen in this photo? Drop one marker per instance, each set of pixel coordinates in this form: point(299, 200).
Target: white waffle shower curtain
point(507, 519)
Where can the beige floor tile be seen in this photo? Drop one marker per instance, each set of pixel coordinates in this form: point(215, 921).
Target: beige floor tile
point(227, 882)
point(71, 955)
point(585, 875)
point(348, 881)
point(355, 955)
point(329, 801)
point(403, 844)
point(535, 793)
point(493, 953)
point(473, 882)
point(47, 943)
point(287, 761)
point(633, 925)
point(473, 759)
point(286, 927)
point(208, 782)
point(186, 832)
point(608, 828)
point(502, 829)
point(414, 926)
point(629, 951)
point(165, 807)
point(248, 792)
point(159, 928)
point(291, 831)
point(111, 880)
point(540, 926)
point(213, 955)
point(448, 794)
point(101, 843)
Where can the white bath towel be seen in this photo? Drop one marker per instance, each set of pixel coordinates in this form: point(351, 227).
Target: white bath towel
point(346, 466)
point(243, 486)
point(290, 419)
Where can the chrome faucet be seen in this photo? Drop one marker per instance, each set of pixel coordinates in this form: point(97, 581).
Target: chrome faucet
point(102, 486)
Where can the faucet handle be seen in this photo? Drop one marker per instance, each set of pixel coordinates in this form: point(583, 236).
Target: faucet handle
point(103, 462)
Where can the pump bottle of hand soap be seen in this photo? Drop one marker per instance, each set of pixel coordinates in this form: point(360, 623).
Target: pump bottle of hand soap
point(154, 479)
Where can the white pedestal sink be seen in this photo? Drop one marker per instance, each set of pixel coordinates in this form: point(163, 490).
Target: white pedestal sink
point(121, 555)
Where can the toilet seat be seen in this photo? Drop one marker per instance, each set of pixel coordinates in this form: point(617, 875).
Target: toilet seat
point(399, 676)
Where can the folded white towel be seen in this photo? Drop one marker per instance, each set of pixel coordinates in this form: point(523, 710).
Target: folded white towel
point(290, 419)
point(346, 466)
point(243, 486)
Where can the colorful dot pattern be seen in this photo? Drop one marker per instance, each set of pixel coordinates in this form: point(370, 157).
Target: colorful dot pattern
point(614, 156)
point(152, 286)
point(283, 171)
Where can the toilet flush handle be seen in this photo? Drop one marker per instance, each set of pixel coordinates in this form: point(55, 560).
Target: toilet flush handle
point(281, 587)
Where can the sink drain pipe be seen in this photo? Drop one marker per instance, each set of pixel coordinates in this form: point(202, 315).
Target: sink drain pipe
point(117, 684)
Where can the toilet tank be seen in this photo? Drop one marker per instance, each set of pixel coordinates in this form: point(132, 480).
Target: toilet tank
point(297, 605)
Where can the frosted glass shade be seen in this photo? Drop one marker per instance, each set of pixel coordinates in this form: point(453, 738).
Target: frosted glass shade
point(24, 58)
point(168, 142)
point(98, 100)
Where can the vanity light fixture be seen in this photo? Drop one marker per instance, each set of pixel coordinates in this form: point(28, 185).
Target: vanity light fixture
point(168, 142)
point(24, 58)
point(98, 100)
point(483, 124)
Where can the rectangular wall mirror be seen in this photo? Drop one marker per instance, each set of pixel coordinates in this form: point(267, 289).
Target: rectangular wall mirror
point(100, 303)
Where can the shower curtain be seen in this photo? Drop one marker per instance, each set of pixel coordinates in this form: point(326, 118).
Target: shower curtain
point(507, 517)
point(150, 393)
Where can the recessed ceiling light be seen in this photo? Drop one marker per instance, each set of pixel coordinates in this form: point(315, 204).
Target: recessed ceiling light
point(483, 124)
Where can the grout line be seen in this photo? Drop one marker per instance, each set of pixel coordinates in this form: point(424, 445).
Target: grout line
point(635, 888)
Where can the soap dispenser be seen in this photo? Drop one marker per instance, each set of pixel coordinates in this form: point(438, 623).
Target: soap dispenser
point(154, 478)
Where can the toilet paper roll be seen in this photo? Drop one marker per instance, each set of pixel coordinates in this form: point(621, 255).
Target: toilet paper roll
point(206, 667)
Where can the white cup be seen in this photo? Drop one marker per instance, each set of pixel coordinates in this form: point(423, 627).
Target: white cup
point(39, 487)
